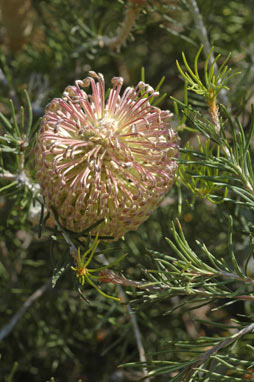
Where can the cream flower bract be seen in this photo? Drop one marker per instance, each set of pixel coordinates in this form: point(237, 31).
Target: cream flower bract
point(105, 158)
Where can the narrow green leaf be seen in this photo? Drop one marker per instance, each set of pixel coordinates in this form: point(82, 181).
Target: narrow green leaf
point(15, 124)
point(7, 125)
point(230, 247)
point(206, 68)
point(250, 134)
point(159, 100)
point(196, 61)
point(22, 120)
point(10, 185)
point(222, 66)
point(13, 370)
point(143, 74)
point(30, 114)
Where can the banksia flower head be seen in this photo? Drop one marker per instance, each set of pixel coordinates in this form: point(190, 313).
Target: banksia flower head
point(105, 159)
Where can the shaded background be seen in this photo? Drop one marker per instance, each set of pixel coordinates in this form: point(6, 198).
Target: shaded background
point(45, 46)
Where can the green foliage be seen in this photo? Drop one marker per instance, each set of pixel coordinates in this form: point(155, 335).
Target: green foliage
point(189, 270)
point(83, 273)
point(213, 82)
point(195, 175)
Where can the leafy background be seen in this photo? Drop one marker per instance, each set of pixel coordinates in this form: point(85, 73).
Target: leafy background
point(45, 46)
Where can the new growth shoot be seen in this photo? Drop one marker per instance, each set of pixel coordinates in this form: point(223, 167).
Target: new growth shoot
point(213, 82)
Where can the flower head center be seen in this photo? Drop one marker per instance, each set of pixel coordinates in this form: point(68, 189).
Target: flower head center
point(107, 126)
point(103, 131)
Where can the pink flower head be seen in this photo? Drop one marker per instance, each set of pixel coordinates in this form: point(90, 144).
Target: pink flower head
point(110, 159)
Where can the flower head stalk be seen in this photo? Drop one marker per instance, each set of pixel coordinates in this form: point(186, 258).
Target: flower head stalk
point(110, 159)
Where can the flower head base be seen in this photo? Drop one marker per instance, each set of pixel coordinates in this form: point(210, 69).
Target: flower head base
point(110, 159)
